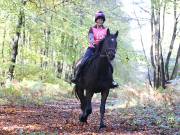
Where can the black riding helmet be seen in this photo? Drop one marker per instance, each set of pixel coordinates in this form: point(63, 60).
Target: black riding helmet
point(100, 14)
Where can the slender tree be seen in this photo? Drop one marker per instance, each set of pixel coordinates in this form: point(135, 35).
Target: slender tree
point(161, 69)
point(172, 41)
point(15, 41)
point(176, 66)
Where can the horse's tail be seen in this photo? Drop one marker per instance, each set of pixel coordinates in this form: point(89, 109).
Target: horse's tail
point(75, 91)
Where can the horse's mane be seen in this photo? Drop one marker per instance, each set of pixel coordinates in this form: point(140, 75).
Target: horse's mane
point(99, 47)
point(97, 51)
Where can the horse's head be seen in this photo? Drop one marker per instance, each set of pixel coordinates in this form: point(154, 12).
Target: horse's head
point(108, 45)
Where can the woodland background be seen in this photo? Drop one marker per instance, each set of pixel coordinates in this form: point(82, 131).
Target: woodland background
point(41, 40)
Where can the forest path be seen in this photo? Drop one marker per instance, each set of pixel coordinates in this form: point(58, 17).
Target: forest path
point(62, 117)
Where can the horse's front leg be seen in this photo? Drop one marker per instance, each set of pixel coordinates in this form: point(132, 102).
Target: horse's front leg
point(81, 96)
point(104, 95)
point(88, 107)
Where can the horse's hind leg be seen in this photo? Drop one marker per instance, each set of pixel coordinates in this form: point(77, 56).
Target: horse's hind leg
point(104, 95)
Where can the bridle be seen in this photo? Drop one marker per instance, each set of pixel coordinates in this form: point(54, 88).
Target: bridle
point(107, 52)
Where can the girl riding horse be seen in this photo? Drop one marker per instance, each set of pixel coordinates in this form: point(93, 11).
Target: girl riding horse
point(95, 35)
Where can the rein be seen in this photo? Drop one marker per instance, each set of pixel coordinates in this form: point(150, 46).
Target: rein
point(103, 55)
point(106, 53)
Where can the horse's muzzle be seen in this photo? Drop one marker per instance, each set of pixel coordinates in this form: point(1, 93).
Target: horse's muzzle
point(111, 54)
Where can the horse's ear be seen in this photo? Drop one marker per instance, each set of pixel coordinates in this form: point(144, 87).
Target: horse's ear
point(108, 32)
point(116, 34)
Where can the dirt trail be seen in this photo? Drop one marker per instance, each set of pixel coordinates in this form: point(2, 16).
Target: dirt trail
point(62, 118)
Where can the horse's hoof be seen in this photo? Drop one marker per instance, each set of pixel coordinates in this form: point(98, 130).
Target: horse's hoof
point(102, 126)
point(82, 119)
point(83, 123)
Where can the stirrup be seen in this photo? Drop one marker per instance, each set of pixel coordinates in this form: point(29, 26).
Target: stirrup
point(74, 80)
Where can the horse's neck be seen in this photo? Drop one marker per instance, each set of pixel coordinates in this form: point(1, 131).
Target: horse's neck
point(103, 64)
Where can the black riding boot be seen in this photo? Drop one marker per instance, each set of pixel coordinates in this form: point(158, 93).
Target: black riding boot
point(76, 76)
point(89, 53)
point(114, 84)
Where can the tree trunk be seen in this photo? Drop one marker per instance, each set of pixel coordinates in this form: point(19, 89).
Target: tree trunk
point(47, 43)
point(156, 44)
point(15, 41)
point(176, 67)
point(24, 41)
point(59, 69)
point(3, 43)
point(157, 48)
point(162, 73)
point(172, 43)
point(152, 42)
point(149, 78)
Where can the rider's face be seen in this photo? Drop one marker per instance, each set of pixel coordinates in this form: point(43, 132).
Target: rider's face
point(99, 21)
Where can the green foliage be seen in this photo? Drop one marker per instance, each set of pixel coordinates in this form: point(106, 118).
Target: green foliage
point(10, 92)
point(54, 31)
point(31, 72)
point(34, 92)
point(171, 118)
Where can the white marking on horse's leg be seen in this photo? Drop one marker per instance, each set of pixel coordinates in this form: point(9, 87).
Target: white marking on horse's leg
point(85, 92)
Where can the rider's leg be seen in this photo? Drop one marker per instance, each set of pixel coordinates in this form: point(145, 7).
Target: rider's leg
point(89, 52)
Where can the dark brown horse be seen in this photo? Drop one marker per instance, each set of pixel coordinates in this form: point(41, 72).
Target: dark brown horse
point(96, 77)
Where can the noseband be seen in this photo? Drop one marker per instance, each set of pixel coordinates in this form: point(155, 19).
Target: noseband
point(106, 52)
